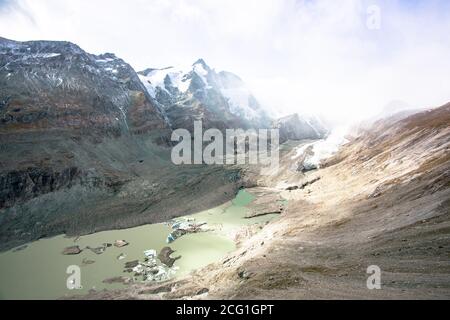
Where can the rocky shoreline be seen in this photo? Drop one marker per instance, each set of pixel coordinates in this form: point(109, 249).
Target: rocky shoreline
point(107, 212)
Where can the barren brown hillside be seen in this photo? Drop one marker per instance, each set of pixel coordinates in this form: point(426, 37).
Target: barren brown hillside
point(383, 199)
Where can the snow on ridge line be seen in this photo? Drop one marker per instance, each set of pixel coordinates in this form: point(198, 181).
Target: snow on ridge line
point(177, 76)
point(156, 77)
point(201, 72)
point(238, 98)
point(148, 86)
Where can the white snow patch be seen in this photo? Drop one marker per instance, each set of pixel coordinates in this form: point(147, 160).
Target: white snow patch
point(59, 81)
point(301, 150)
point(148, 85)
point(112, 70)
point(201, 72)
point(323, 149)
point(312, 127)
point(124, 116)
point(46, 55)
point(176, 78)
point(155, 79)
point(104, 60)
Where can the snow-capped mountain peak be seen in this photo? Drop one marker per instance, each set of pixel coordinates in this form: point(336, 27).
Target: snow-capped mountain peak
point(164, 79)
point(222, 91)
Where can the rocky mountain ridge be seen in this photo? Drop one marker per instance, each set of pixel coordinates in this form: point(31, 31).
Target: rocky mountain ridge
point(85, 140)
point(57, 85)
point(220, 99)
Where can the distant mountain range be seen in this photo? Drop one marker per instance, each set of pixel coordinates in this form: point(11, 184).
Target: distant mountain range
point(220, 99)
point(58, 77)
point(77, 130)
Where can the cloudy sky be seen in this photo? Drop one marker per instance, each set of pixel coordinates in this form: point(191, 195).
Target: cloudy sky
point(344, 59)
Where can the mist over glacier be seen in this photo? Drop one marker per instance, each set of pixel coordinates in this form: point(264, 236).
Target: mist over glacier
point(296, 56)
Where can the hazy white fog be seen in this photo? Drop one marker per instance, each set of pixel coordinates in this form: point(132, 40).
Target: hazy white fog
point(297, 56)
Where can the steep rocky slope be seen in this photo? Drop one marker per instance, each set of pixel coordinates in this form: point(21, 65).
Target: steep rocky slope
point(383, 199)
point(58, 86)
point(55, 93)
point(84, 147)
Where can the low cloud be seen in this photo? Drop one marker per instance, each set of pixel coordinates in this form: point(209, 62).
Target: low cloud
point(297, 56)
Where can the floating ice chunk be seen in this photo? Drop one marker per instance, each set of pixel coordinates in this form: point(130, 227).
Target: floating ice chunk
point(151, 253)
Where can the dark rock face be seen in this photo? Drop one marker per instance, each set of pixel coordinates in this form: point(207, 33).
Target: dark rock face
point(294, 127)
point(31, 182)
point(164, 256)
point(56, 85)
point(56, 91)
